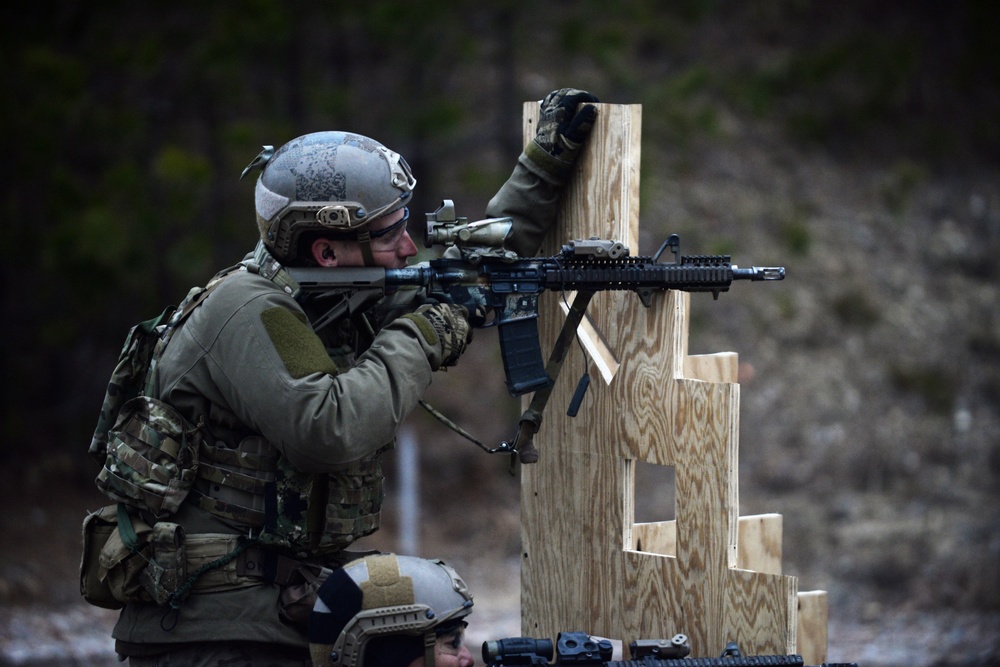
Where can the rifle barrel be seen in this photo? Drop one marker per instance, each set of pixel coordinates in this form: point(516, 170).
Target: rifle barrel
point(759, 273)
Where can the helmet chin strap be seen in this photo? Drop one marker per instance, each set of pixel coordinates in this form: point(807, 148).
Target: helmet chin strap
point(430, 643)
point(365, 241)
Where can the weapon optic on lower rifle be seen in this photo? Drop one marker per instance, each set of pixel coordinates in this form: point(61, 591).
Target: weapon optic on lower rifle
point(578, 649)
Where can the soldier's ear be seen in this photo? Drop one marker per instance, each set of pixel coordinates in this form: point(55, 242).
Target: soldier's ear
point(323, 253)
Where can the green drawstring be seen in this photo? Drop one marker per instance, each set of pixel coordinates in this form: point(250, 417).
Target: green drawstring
point(182, 592)
point(126, 530)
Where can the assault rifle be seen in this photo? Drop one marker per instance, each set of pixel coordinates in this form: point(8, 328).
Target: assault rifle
point(578, 649)
point(501, 289)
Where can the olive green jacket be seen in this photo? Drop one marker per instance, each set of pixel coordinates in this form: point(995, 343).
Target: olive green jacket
point(247, 361)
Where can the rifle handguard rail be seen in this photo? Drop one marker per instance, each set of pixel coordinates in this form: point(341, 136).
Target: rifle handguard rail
point(488, 278)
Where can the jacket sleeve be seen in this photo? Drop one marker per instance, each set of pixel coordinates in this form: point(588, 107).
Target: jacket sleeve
point(277, 379)
point(531, 197)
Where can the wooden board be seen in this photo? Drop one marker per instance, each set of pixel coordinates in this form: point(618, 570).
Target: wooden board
point(581, 569)
point(812, 626)
point(758, 541)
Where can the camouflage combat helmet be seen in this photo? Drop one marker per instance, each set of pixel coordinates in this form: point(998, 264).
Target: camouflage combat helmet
point(334, 182)
point(386, 610)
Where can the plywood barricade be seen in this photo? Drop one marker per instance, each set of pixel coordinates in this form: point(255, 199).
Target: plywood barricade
point(586, 564)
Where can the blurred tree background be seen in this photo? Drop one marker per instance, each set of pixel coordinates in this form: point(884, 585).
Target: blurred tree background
point(128, 125)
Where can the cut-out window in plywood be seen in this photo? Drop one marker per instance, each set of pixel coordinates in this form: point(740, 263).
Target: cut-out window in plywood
point(651, 508)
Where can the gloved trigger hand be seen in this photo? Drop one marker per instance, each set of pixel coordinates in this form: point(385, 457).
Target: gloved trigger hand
point(450, 325)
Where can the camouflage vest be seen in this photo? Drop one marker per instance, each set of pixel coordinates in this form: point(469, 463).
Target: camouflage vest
point(300, 514)
point(147, 450)
point(158, 460)
point(251, 484)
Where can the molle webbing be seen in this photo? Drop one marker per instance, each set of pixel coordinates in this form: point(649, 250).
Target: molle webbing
point(223, 563)
point(233, 482)
point(324, 513)
point(255, 487)
point(152, 456)
point(354, 509)
point(128, 378)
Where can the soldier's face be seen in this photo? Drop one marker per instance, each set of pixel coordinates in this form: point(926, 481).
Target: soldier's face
point(449, 651)
point(391, 243)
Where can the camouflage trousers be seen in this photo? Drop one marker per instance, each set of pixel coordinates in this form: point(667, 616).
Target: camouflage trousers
point(226, 654)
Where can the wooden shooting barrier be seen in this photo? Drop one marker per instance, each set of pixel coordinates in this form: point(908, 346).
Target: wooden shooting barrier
point(586, 565)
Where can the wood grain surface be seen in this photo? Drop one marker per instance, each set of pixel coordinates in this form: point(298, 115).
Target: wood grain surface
point(586, 565)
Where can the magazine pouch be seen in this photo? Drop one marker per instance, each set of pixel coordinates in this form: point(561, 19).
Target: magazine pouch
point(152, 457)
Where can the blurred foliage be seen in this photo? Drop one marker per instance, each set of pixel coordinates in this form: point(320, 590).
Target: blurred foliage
point(904, 177)
point(130, 124)
point(795, 232)
point(934, 386)
point(856, 309)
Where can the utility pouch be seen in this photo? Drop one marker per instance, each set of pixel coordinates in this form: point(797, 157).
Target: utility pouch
point(152, 457)
point(300, 582)
point(298, 596)
point(120, 560)
point(97, 529)
point(128, 378)
point(166, 572)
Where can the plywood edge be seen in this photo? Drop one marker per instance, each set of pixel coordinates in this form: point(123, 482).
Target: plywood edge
point(718, 367)
point(758, 612)
point(811, 633)
point(655, 537)
point(759, 543)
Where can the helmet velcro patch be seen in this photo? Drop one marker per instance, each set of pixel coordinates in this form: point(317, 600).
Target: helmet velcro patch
point(385, 586)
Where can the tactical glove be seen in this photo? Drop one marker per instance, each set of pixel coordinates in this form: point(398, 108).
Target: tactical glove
point(562, 131)
point(394, 305)
point(445, 327)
